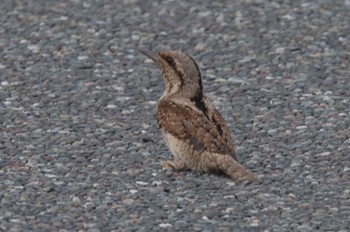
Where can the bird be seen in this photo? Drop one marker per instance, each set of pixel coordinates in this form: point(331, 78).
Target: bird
point(193, 129)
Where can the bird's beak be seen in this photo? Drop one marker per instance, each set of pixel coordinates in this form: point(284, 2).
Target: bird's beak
point(150, 55)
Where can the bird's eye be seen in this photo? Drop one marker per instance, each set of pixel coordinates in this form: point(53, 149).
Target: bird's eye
point(169, 59)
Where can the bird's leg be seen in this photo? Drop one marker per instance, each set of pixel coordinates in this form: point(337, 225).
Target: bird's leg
point(173, 165)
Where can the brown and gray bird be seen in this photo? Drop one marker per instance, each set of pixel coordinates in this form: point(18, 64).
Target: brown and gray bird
point(193, 129)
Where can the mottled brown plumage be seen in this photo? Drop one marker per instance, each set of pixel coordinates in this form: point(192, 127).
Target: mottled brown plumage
point(193, 129)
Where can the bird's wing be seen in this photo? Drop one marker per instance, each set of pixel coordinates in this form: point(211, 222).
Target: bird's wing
point(204, 133)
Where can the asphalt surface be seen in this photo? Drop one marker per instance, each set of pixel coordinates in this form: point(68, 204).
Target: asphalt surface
point(79, 146)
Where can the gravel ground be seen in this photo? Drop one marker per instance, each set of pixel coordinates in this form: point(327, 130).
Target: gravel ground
point(80, 149)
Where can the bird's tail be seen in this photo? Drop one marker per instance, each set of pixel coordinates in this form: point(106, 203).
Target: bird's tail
point(233, 169)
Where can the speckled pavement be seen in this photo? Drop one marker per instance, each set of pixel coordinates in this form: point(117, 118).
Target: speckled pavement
point(79, 146)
